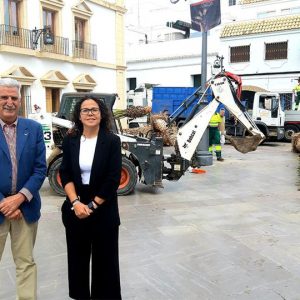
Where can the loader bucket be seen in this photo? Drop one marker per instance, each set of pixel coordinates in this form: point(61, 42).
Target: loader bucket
point(245, 144)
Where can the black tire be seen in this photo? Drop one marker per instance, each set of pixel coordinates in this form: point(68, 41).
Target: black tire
point(289, 130)
point(128, 177)
point(53, 177)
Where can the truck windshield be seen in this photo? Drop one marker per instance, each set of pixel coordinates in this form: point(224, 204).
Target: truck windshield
point(68, 105)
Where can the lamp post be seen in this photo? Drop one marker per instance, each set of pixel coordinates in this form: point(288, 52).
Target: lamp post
point(48, 37)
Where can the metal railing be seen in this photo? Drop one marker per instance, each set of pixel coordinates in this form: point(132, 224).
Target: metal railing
point(15, 36)
point(286, 101)
point(240, 54)
point(24, 38)
point(59, 46)
point(278, 50)
point(84, 50)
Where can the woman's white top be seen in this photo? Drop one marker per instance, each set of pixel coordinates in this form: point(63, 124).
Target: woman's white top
point(86, 157)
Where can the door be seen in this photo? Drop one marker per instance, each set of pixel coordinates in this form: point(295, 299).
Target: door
point(268, 109)
point(52, 100)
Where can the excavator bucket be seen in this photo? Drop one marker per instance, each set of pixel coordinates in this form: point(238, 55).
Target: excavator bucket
point(245, 144)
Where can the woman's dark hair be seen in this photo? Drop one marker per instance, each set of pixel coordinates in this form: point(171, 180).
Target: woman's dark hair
point(106, 118)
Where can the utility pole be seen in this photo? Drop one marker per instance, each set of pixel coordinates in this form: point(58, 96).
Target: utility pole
point(204, 61)
point(203, 156)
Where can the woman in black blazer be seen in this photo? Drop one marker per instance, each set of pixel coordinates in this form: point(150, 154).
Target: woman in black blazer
point(90, 174)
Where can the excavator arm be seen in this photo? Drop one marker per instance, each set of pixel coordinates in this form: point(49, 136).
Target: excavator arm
point(190, 134)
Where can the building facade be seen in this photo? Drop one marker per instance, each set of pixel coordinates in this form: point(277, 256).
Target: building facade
point(262, 44)
point(258, 39)
point(57, 46)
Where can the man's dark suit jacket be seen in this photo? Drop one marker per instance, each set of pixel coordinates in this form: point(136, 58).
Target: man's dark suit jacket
point(31, 162)
point(105, 173)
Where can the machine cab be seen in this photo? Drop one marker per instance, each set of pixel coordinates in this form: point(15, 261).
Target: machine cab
point(264, 107)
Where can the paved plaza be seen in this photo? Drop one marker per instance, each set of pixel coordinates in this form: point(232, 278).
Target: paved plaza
point(232, 233)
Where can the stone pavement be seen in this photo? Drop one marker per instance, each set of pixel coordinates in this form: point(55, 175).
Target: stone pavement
point(231, 233)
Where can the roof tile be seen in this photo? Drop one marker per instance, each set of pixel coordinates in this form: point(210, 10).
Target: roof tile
point(261, 26)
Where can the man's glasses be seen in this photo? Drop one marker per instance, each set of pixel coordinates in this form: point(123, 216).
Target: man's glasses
point(5, 98)
point(87, 111)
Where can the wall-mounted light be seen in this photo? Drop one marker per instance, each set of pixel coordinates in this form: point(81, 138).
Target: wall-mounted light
point(48, 38)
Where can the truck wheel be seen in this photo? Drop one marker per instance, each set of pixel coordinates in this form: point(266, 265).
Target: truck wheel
point(54, 178)
point(289, 130)
point(128, 177)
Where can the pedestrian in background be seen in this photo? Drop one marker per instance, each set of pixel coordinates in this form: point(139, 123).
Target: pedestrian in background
point(296, 91)
point(215, 126)
point(90, 174)
point(23, 170)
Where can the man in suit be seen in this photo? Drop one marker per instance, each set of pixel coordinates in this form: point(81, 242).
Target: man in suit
point(23, 170)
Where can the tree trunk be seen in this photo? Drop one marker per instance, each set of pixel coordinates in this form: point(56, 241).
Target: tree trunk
point(296, 142)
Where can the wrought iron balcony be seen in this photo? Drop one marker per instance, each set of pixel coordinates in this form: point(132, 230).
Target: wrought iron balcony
point(84, 50)
point(15, 36)
point(60, 45)
point(25, 38)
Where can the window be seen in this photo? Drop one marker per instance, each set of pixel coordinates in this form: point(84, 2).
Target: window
point(231, 2)
point(196, 80)
point(292, 10)
point(132, 83)
point(79, 32)
point(49, 19)
point(240, 54)
point(286, 101)
point(266, 14)
point(11, 12)
point(276, 51)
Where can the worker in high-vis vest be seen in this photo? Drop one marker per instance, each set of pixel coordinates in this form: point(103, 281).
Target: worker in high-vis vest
point(216, 128)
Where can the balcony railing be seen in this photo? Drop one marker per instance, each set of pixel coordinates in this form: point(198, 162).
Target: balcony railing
point(15, 36)
point(84, 50)
point(60, 45)
point(23, 38)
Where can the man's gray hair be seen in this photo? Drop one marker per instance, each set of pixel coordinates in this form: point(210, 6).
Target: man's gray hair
point(11, 83)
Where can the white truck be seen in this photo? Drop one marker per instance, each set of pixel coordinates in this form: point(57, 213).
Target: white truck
point(266, 111)
point(141, 96)
point(291, 123)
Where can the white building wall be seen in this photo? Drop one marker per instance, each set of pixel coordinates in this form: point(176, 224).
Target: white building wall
point(104, 33)
point(177, 71)
point(169, 63)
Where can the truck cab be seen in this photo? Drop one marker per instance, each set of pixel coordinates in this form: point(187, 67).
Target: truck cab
point(141, 96)
point(265, 110)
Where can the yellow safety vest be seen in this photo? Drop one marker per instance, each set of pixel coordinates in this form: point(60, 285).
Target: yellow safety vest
point(215, 120)
point(297, 88)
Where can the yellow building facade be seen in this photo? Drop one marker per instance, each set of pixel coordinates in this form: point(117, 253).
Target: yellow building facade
point(56, 46)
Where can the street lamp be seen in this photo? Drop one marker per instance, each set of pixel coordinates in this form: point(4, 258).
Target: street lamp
point(218, 63)
point(48, 37)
